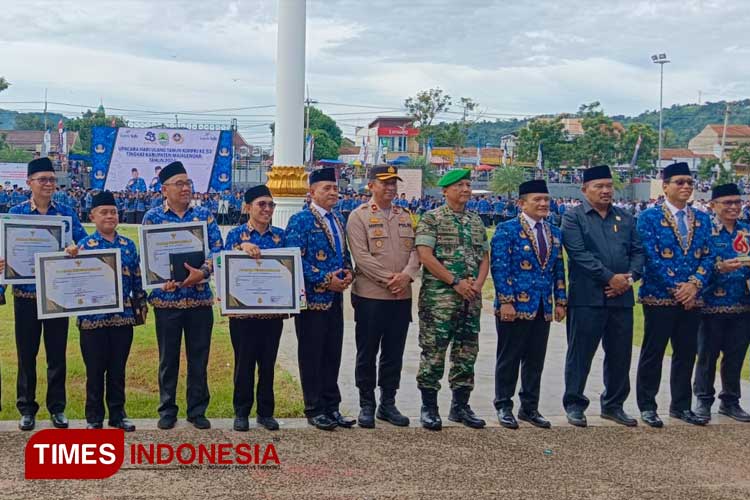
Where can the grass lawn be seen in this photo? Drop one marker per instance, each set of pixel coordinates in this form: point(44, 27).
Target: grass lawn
point(142, 389)
point(488, 292)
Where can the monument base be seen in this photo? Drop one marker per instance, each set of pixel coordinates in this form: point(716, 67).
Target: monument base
point(285, 208)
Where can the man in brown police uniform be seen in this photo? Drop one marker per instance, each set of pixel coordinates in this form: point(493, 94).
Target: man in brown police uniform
point(381, 242)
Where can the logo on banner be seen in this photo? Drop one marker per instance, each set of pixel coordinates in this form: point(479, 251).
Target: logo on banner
point(150, 136)
point(223, 177)
point(163, 138)
point(99, 148)
point(99, 175)
point(177, 138)
point(224, 152)
point(74, 454)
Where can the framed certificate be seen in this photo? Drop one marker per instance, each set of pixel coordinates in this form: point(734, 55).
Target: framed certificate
point(158, 241)
point(66, 220)
point(90, 283)
point(272, 284)
point(20, 240)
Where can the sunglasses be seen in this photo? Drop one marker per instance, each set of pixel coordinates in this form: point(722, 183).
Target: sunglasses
point(682, 182)
point(266, 204)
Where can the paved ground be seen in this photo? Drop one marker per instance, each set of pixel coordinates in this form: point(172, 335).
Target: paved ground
point(605, 462)
point(408, 398)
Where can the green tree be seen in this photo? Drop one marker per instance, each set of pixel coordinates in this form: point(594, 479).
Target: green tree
point(424, 107)
point(3, 83)
point(707, 167)
point(599, 142)
point(550, 134)
point(429, 176)
point(740, 155)
point(325, 147)
point(726, 175)
point(505, 180)
point(86, 121)
point(29, 121)
point(321, 121)
point(12, 155)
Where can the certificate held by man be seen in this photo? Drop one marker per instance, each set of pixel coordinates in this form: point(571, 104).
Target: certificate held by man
point(90, 283)
point(21, 240)
point(160, 241)
point(266, 285)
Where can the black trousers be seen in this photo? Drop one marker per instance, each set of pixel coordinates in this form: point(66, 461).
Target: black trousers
point(381, 325)
point(520, 342)
point(586, 328)
point(256, 344)
point(320, 335)
point(130, 217)
point(105, 352)
point(29, 331)
point(661, 325)
point(139, 216)
point(197, 324)
point(726, 334)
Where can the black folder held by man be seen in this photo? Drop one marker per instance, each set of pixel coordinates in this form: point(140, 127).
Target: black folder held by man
point(177, 261)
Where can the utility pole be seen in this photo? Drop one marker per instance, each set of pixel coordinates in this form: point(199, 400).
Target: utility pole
point(308, 102)
point(176, 122)
point(724, 135)
point(45, 109)
point(661, 60)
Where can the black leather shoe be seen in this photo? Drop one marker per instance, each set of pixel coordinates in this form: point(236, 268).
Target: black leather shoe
point(94, 425)
point(618, 415)
point(123, 424)
point(651, 418)
point(59, 420)
point(689, 417)
point(703, 410)
point(269, 423)
point(430, 418)
point(390, 414)
point(506, 418)
point(200, 422)
point(241, 424)
point(322, 422)
point(341, 420)
point(366, 417)
point(534, 418)
point(27, 422)
point(735, 412)
point(577, 418)
point(165, 423)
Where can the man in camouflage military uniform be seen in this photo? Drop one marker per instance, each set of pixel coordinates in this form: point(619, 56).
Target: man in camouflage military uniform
point(453, 247)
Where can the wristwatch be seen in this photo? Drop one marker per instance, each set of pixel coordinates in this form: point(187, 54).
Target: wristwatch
point(455, 281)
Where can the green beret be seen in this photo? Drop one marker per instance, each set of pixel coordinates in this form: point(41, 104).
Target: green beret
point(454, 176)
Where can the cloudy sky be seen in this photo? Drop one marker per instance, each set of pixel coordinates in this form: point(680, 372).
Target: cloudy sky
point(365, 57)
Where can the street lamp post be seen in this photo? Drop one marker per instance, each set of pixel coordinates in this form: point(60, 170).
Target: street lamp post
point(661, 60)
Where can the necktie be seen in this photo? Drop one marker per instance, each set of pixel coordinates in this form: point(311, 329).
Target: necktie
point(336, 238)
point(540, 241)
point(681, 226)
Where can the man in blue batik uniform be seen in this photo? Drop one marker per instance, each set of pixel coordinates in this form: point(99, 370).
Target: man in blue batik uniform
point(255, 338)
point(724, 315)
point(155, 184)
point(528, 270)
point(136, 184)
point(320, 234)
point(184, 307)
point(29, 330)
point(106, 338)
point(677, 242)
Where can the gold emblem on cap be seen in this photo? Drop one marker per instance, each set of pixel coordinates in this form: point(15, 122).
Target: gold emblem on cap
point(379, 243)
point(391, 170)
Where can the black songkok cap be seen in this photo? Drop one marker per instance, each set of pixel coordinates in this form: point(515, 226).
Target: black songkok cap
point(597, 172)
point(257, 192)
point(39, 165)
point(103, 198)
point(725, 190)
point(535, 186)
point(174, 168)
point(680, 168)
point(323, 174)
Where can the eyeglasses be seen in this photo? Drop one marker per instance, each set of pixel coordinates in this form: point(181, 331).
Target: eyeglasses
point(682, 182)
point(266, 204)
point(729, 203)
point(180, 184)
point(45, 180)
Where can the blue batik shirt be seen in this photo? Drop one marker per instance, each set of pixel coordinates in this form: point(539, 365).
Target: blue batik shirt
point(195, 296)
point(29, 208)
point(136, 185)
point(726, 292)
point(132, 287)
